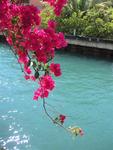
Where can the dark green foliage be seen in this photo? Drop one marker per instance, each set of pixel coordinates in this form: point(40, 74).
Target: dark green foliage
point(36, 74)
point(94, 22)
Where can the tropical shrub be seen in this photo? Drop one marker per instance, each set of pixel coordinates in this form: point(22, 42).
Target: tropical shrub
point(94, 22)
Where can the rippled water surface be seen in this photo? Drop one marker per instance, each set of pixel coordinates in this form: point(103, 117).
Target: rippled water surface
point(84, 93)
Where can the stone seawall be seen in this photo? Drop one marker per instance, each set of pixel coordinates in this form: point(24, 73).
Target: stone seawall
point(90, 46)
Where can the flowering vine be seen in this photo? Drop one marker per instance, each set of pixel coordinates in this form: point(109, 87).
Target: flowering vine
point(34, 47)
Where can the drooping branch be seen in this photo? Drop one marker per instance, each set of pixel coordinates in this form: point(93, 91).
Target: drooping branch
point(32, 44)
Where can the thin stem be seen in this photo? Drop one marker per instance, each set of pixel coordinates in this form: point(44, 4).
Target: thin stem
point(14, 55)
point(17, 59)
point(46, 112)
point(52, 108)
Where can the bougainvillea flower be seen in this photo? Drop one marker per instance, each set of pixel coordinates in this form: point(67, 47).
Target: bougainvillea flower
point(55, 68)
point(62, 118)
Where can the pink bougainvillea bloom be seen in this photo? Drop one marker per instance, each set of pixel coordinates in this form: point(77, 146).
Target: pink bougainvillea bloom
point(62, 118)
point(32, 78)
point(30, 16)
point(60, 42)
point(27, 70)
point(27, 77)
point(40, 92)
point(37, 94)
point(55, 68)
point(47, 82)
point(46, 85)
point(57, 4)
point(45, 93)
point(52, 24)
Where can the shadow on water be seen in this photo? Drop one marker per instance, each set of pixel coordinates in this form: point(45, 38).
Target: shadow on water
point(82, 55)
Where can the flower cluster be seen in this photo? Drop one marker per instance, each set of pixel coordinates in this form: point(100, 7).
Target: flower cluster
point(34, 46)
point(55, 69)
point(60, 119)
point(46, 85)
point(57, 4)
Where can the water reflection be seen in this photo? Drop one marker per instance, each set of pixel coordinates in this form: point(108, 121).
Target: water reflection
point(12, 142)
point(84, 93)
point(12, 132)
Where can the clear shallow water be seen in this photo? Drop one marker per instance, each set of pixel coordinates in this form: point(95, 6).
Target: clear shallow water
point(84, 92)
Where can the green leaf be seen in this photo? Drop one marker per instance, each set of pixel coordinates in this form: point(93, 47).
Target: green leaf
point(15, 20)
point(29, 62)
point(39, 66)
point(34, 64)
point(36, 74)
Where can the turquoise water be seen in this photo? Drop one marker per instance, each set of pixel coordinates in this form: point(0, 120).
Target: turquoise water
point(84, 93)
